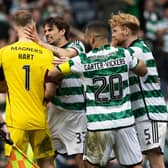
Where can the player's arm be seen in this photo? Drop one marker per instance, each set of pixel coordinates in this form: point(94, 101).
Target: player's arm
point(50, 89)
point(57, 73)
point(51, 84)
point(60, 52)
point(32, 34)
point(140, 68)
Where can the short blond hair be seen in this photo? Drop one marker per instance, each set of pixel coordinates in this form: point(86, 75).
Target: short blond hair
point(127, 20)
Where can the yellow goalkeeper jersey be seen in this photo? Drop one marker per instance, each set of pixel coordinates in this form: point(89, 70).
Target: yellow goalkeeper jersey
point(25, 65)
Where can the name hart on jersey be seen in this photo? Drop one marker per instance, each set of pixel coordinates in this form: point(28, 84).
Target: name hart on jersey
point(25, 56)
point(103, 65)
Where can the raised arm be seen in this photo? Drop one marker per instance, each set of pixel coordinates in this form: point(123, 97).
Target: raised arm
point(32, 34)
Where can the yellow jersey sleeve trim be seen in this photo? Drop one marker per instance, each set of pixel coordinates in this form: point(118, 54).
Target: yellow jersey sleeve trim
point(65, 68)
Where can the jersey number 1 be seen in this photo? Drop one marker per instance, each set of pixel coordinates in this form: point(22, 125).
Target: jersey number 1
point(27, 76)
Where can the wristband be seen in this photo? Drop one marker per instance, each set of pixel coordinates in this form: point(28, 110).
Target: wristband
point(2, 124)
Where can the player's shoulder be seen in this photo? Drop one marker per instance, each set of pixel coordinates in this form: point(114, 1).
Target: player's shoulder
point(77, 42)
point(140, 45)
point(123, 51)
point(77, 45)
point(6, 47)
point(43, 50)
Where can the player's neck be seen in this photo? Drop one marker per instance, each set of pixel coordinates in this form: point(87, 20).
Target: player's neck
point(129, 41)
point(24, 39)
point(62, 42)
point(22, 36)
point(99, 43)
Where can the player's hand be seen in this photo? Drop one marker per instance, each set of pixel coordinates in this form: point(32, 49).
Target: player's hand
point(31, 33)
point(61, 60)
point(65, 59)
point(57, 61)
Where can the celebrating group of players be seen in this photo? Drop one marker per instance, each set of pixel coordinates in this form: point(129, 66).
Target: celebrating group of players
point(95, 106)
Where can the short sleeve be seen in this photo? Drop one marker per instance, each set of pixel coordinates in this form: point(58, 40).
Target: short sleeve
point(78, 46)
point(65, 68)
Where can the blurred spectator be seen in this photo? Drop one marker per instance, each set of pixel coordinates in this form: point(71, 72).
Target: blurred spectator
point(151, 19)
point(37, 16)
point(84, 11)
point(162, 29)
point(59, 9)
point(12, 36)
point(106, 8)
point(166, 151)
point(3, 159)
point(133, 7)
point(159, 7)
point(68, 16)
point(161, 58)
point(46, 8)
point(20, 4)
point(3, 22)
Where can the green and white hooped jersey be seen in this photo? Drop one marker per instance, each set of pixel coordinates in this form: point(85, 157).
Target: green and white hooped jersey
point(146, 97)
point(104, 74)
point(151, 24)
point(70, 96)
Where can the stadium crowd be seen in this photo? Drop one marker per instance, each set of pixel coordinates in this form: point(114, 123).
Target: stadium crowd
point(152, 14)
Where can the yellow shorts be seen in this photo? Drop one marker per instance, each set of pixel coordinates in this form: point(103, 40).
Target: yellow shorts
point(40, 141)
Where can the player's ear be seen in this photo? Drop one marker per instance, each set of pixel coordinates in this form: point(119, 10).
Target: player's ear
point(92, 38)
point(127, 31)
point(62, 31)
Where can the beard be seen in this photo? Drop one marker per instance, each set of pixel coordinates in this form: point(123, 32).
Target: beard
point(52, 41)
point(117, 43)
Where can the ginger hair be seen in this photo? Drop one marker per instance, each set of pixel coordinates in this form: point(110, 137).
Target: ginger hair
point(125, 20)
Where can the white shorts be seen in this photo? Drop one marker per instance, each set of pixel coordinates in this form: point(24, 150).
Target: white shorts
point(151, 134)
point(68, 131)
point(122, 143)
point(97, 147)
